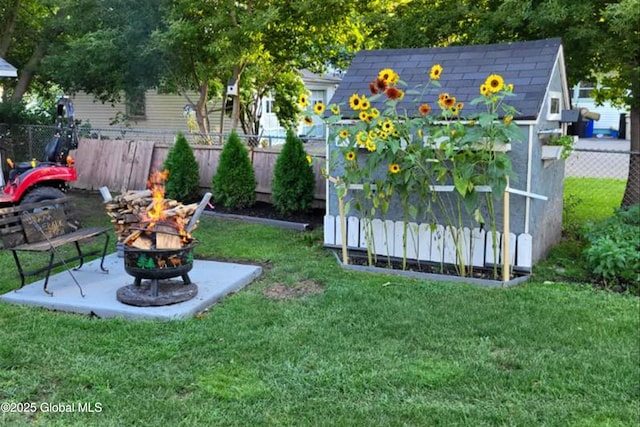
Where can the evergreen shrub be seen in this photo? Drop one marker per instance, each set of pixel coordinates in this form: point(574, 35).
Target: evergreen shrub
point(183, 183)
point(234, 184)
point(293, 180)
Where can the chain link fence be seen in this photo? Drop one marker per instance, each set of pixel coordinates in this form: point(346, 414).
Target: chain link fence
point(596, 176)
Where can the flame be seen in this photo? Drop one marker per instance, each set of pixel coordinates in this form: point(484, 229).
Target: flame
point(156, 185)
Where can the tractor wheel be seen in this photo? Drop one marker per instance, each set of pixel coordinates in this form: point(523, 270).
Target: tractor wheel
point(40, 194)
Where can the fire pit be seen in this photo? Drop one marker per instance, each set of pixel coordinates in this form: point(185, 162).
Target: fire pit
point(156, 237)
point(157, 265)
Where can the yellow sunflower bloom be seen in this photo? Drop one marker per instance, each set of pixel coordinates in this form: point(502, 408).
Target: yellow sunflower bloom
point(508, 119)
point(303, 100)
point(436, 71)
point(495, 83)
point(370, 145)
point(388, 126)
point(386, 74)
point(510, 87)
point(318, 108)
point(364, 103)
point(335, 109)
point(355, 102)
point(375, 113)
point(364, 116)
point(362, 138)
point(344, 134)
point(484, 90)
point(394, 168)
point(350, 156)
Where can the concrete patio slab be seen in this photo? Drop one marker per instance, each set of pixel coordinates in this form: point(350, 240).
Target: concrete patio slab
point(214, 280)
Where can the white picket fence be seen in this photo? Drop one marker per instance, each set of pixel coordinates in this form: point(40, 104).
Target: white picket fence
point(425, 244)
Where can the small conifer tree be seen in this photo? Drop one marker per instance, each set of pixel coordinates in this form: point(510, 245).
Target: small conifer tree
point(183, 182)
point(234, 184)
point(293, 180)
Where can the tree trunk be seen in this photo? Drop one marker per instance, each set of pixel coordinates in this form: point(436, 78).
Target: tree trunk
point(235, 111)
point(632, 191)
point(202, 115)
point(29, 70)
point(9, 27)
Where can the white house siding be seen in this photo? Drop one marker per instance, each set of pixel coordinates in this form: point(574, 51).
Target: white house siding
point(609, 114)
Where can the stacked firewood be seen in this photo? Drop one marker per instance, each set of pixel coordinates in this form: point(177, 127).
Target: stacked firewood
point(135, 216)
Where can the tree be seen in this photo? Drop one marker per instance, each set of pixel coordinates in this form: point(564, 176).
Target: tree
point(256, 44)
point(293, 179)
point(600, 38)
point(183, 182)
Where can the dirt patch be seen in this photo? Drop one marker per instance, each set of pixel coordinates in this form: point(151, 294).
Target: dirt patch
point(280, 291)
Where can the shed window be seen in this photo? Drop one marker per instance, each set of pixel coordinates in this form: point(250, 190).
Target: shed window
point(555, 106)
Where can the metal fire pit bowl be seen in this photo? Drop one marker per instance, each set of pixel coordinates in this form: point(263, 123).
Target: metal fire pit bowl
point(158, 265)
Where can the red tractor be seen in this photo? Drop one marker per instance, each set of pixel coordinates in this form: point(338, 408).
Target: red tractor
point(34, 181)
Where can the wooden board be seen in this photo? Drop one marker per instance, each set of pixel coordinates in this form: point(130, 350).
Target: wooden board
point(44, 225)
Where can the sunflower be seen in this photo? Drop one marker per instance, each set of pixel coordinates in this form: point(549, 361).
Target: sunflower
point(484, 90)
point(364, 116)
point(308, 120)
point(495, 83)
point(303, 100)
point(507, 120)
point(370, 145)
point(448, 102)
point(355, 101)
point(424, 109)
point(344, 134)
point(375, 113)
point(373, 88)
point(362, 138)
point(394, 168)
point(394, 93)
point(454, 110)
point(383, 135)
point(436, 70)
point(460, 105)
point(364, 103)
point(388, 126)
point(381, 85)
point(309, 159)
point(386, 74)
point(350, 156)
point(318, 108)
point(335, 109)
point(510, 87)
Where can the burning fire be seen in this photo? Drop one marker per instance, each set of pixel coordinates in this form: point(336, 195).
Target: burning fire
point(156, 185)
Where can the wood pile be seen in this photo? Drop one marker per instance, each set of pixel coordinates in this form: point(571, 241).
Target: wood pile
point(141, 222)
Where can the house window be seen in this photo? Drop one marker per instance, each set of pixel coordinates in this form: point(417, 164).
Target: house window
point(555, 106)
point(136, 107)
point(268, 106)
point(585, 90)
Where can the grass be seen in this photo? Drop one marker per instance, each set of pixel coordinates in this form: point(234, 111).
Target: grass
point(591, 199)
point(371, 350)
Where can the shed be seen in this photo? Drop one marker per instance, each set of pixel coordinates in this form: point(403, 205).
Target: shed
point(537, 71)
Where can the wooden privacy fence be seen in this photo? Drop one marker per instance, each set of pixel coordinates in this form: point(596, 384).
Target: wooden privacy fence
point(125, 165)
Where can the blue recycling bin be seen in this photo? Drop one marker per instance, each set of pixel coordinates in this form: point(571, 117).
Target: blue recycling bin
point(588, 131)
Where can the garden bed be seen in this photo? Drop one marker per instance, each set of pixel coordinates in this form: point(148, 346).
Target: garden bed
point(428, 270)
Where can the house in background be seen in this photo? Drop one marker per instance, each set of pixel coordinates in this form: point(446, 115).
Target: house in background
point(609, 122)
point(537, 71)
point(154, 111)
point(6, 70)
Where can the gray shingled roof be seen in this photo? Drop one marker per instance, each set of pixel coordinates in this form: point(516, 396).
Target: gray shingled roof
point(528, 65)
point(7, 70)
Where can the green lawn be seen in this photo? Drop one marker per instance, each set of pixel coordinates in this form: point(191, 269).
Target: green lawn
point(591, 199)
point(371, 350)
